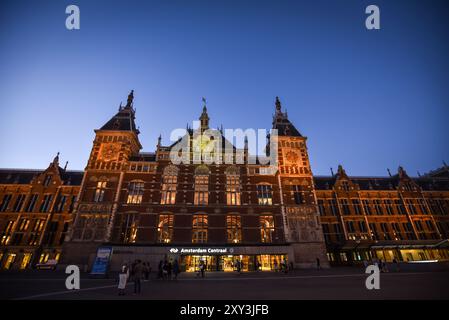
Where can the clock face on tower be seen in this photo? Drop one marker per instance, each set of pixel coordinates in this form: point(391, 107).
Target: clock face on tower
point(109, 152)
point(291, 156)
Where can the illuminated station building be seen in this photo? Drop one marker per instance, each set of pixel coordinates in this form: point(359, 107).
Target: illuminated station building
point(145, 207)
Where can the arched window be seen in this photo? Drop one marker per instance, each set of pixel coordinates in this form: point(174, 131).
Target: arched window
point(169, 185)
point(135, 192)
point(264, 194)
point(165, 228)
point(266, 229)
point(201, 196)
point(233, 228)
point(199, 228)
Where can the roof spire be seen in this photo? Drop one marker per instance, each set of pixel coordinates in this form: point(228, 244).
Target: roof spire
point(56, 159)
point(65, 167)
point(129, 102)
point(204, 118)
point(159, 139)
point(278, 104)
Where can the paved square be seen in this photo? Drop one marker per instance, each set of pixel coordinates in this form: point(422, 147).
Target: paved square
point(337, 283)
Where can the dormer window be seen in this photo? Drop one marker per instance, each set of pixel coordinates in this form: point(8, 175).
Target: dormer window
point(47, 180)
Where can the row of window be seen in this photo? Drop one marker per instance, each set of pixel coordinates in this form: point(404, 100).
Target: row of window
point(34, 229)
point(389, 231)
point(30, 206)
point(201, 191)
point(200, 224)
point(383, 207)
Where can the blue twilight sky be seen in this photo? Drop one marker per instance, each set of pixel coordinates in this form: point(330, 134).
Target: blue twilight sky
point(369, 100)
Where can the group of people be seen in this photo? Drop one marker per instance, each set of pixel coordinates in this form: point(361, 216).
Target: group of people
point(137, 272)
point(381, 264)
point(282, 266)
point(168, 270)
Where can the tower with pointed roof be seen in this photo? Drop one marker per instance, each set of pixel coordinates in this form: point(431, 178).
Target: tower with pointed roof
point(298, 199)
point(94, 213)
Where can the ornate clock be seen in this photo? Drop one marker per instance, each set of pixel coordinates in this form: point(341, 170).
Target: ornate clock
point(109, 151)
point(292, 157)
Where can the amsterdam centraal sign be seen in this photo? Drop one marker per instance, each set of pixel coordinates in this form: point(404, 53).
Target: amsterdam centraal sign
point(201, 251)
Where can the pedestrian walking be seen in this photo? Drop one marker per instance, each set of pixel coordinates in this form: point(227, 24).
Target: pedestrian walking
point(160, 273)
point(318, 264)
point(165, 270)
point(202, 269)
point(275, 265)
point(396, 263)
point(285, 265)
point(123, 279)
point(175, 268)
point(138, 272)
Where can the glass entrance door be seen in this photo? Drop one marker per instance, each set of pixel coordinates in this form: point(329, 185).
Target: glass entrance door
point(193, 263)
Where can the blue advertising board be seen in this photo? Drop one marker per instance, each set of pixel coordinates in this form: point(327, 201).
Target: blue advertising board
point(101, 263)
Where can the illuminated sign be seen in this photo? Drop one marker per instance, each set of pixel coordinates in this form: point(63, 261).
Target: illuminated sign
point(207, 251)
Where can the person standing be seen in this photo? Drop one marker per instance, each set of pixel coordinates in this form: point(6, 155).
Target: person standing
point(318, 264)
point(123, 279)
point(159, 270)
point(138, 271)
point(275, 265)
point(175, 268)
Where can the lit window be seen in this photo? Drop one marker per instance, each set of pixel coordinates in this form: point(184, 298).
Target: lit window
point(233, 190)
point(199, 228)
point(201, 190)
point(129, 228)
point(165, 228)
point(99, 191)
point(135, 192)
point(266, 229)
point(169, 185)
point(233, 229)
point(264, 194)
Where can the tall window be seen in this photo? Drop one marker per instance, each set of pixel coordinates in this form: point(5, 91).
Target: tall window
point(266, 229)
point(129, 228)
point(45, 206)
point(356, 206)
point(201, 190)
point(5, 202)
point(298, 194)
point(60, 203)
point(135, 192)
point(264, 194)
point(199, 228)
point(169, 185)
point(333, 206)
point(6, 234)
point(321, 207)
point(99, 191)
point(165, 228)
point(233, 229)
point(233, 190)
point(389, 206)
point(19, 202)
point(32, 203)
point(367, 207)
point(47, 180)
point(345, 206)
point(169, 189)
